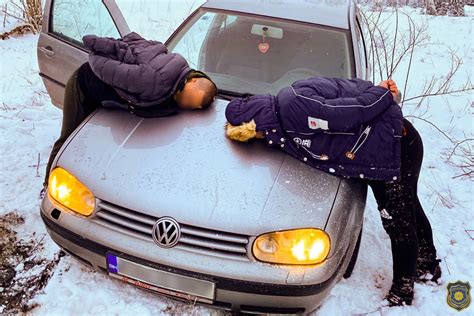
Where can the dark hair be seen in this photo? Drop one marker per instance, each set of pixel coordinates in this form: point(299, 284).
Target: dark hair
point(210, 91)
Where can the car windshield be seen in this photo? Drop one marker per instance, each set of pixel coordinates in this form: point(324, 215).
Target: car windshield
point(255, 55)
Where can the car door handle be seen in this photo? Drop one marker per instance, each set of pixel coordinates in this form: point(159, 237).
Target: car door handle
point(48, 50)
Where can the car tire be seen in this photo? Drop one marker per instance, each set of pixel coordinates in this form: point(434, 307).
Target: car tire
point(353, 261)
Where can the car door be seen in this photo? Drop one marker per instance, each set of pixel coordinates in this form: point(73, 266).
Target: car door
point(60, 49)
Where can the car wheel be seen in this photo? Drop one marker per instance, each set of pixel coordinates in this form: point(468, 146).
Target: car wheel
point(353, 261)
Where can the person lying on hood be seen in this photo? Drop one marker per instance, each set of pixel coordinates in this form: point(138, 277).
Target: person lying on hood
point(133, 74)
point(354, 129)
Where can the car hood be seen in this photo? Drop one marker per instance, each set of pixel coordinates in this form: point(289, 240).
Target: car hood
point(184, 167)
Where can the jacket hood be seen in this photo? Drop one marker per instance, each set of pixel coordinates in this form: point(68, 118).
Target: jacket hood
point(260, 108)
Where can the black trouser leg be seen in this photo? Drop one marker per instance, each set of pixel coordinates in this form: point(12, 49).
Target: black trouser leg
point(427, 249)
point(83, 94)
point(402, 215)
point(424, 232)
point(399, 222)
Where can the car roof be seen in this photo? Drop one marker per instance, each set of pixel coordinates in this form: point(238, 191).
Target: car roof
point(328, 13)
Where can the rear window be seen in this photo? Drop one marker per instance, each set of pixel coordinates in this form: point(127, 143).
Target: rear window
point(253, 54)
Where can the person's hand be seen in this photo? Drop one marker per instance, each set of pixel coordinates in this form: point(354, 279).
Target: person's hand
point(384, 84)
point(393, 87)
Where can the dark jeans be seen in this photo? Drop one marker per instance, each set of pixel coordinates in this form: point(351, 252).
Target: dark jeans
point(402, 215)
point(83, 94)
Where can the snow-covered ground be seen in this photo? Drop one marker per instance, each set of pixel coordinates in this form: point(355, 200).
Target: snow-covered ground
point(29, 124)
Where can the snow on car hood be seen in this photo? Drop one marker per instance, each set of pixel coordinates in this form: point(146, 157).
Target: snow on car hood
point(184, 167)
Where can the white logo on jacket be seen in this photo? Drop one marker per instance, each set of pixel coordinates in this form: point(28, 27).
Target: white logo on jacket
point(316, 123)
point(304, 142)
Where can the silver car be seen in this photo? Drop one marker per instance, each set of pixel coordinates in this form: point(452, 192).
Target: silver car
point(171, 205)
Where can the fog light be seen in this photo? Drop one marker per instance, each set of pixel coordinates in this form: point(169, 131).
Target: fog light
point(299, 246)
point(65, 190)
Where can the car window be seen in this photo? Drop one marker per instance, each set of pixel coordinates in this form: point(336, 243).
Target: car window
point(191, 45)
point(254, 54)
point(156, 19)
point(71, 20)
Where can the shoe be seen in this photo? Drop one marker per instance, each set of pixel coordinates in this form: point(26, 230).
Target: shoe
point(428, 270)
point(401, 293)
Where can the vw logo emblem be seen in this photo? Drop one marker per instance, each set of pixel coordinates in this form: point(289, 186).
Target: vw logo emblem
point(166, 232)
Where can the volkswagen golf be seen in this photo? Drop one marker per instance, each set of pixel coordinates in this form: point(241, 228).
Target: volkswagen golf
point(171, 205)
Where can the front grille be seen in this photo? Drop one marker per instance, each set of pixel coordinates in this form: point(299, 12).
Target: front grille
point(196, 239)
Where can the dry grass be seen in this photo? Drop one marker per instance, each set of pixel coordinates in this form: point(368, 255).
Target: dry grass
point(27, 13)
point(24, 272)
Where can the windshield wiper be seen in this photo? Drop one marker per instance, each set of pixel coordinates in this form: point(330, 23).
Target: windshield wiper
point(229, 95)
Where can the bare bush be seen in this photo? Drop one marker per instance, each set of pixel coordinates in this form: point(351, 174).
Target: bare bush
point(27, 13)
point(444, 195)
point(389, 48)
point(443, 86)
point(460, 155)
point(445, 7)
point(462, 158)
point(431, 7)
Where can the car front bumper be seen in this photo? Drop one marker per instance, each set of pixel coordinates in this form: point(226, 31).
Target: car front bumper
point(236, 293)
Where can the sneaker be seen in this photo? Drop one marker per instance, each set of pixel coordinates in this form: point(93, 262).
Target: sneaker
point(401, 293)
point(428, 270)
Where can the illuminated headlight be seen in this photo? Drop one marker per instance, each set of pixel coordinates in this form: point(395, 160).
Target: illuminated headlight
point(65, 190)
point(298, 246)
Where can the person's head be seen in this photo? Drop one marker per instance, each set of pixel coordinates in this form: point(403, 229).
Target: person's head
point(197, 93)
point(252, 117)
point(243, 132)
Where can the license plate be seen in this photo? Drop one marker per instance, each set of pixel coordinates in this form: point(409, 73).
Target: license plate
point(179, 286)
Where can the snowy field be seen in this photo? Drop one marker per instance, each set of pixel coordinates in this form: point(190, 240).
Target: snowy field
point(49, 284)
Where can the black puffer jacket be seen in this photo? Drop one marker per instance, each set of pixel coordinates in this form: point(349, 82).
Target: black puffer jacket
point(141, 71)
point(346, 127)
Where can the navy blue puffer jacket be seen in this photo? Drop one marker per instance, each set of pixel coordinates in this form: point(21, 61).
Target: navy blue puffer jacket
point(141, 71)
point(346, 127)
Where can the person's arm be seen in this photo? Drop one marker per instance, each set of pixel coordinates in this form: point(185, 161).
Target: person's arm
point(122, 49)
point(332, 88)
point(343, 114)
point(116, 63)
point(121, 75)
point(102, 45)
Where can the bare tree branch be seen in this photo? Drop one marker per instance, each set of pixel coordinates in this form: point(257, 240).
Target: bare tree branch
point(467, 89)
point(435, 126)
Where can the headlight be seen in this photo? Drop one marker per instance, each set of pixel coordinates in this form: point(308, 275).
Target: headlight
point(298, 246)
point(67, 191)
